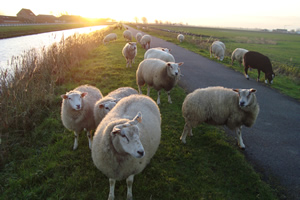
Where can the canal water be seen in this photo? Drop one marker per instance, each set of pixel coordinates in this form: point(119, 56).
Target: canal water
point(16, 46)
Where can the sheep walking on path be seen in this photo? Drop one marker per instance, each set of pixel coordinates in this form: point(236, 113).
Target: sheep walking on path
point(220, 106)
point(158, 74)
point(126, 140)
point(77, 110)
point(129, 52)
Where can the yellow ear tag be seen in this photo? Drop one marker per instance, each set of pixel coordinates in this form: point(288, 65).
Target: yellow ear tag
point(139, 119)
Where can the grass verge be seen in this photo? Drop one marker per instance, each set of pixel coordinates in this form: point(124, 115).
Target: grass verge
point(207, 167)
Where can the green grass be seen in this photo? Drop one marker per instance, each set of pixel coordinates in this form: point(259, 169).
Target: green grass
point(209, 166)
point(281, 48)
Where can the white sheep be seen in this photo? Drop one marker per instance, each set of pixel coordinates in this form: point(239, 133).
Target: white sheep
point(77, 110)
point(109, 37)
point(220, 106)
point(127, 35)
point(180, 37)
point(220, 43)
point(129, 52)
point(217, 50)
point(158, 74)
point(159, 54)
point(126, 140)
point(104, 105)
point(138, 37)
point(238, 54)
point(145, 41)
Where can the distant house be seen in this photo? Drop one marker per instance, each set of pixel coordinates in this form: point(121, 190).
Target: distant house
point(26, 15)
point(45, 19)
point(8, 20)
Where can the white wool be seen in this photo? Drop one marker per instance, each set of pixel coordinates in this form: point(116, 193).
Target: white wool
point(238, 55)
point(145, 41)
point(127, 35)
point(129, 52)
point(180, 37)
point(109, 37)
point(159, 54)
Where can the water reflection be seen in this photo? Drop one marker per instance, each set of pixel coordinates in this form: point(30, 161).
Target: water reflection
point(18, 45)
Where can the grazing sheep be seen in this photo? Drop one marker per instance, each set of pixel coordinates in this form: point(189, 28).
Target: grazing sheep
point(260, 62)
point(158, 74)
point(145, 41)
point(238, 54)
point(218, 50)
point(126, 140)
point(127, 35)
point(109, 37)
point(104, 105)
point(77, 110)
point(159, 54)
point(129, 52)
point(220, 43)
point(180, 37)
point(220, 106)
point(138, 37)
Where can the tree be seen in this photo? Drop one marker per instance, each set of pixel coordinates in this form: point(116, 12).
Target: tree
point(136, 19)
point(144, 19)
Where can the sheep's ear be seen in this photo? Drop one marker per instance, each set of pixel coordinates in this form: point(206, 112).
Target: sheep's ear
point(236, 90)
point(116, 130)
point(84, 94)
point(169, 65)
point(101, 105)
point(137, 119)
point(252, 90)
point(64, 96)
point(181, 63)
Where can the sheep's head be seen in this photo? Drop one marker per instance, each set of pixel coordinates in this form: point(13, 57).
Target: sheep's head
point(126, 138)
point(173, 69)
point(132, 45)
point(246, 97)
point(166, 50)
point(108, 105)
point(74, 98)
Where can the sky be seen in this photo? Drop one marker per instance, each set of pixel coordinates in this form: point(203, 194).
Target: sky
point(264, 14)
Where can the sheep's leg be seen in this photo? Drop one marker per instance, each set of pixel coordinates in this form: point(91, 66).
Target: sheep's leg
point(258, 76)
point(76, 134)
point(140, 90)
point(112, 183)
point(246, 73)
point(158, 98)
point(240, 139)
point(148, 90)
point(127, 62)
point(129, 182)
point(89, 136)
point(169, 97)
point(187, 130)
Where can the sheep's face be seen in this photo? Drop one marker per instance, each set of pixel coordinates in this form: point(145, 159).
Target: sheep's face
point(245, 96)
point(74, 99)
point(107, 106)
point(173, 69)
point(132, 46)
point(126, 138)
point(166, 50)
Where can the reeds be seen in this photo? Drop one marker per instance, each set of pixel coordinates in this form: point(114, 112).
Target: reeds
point(27, 89)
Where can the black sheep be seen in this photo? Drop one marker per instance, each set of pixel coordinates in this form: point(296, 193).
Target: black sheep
point(260, 62)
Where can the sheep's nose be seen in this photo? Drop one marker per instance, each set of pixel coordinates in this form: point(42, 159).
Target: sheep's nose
point(242, 103)
point(78, 107)
point(141, 153)
point(176, 73)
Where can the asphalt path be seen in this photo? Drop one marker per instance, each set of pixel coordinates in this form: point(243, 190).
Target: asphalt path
point(273, 143)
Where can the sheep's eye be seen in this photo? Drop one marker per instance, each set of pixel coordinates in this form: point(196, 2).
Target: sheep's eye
point(107, 108)
point(124, 136)
point(69, 98)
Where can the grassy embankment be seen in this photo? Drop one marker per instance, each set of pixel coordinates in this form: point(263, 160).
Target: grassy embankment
point(14, 31)
point(40, 162)
point(282, 49)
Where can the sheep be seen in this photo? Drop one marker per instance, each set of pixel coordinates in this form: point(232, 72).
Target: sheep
point(158, 74)
point(77, 110)
point(138, 37)
point(180, 38)
point(159, 54)
point(145, 41)
point(126, 140)
point(260, 62)
point(220, 106)
point(109, 37)
point(127, 35)
point(129, 52)
point(238, 54)
point(218, 49)
point(104, 105)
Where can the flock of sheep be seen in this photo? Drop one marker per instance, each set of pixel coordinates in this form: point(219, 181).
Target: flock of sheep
point(127, 124)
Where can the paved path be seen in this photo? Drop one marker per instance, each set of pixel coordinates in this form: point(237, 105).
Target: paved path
point(273, 143)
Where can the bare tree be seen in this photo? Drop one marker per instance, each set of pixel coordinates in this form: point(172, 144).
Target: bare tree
point(136, 19)
point(156, 21)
